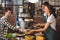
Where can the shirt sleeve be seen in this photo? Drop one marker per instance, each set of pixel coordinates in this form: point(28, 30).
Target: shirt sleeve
point(50, 19)
point(5, 22)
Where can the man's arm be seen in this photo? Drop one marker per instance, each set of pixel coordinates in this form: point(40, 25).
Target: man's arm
point(5, 22)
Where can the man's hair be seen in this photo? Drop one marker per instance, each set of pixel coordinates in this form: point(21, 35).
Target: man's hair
point(7, 9)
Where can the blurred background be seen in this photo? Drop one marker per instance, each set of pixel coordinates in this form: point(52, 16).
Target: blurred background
point(26, 9)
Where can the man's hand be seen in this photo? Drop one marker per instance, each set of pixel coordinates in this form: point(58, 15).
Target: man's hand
point(21, 30)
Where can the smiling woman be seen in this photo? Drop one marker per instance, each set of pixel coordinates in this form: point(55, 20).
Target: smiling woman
point(33, 1)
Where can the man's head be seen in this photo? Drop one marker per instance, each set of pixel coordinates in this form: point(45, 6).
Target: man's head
point(8, 11)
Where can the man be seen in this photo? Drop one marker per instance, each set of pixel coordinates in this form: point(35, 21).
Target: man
point(4, 23)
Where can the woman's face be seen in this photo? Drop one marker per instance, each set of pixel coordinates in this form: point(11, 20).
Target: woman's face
point(46, 9)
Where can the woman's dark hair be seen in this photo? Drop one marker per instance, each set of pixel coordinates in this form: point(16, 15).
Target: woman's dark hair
point(45, 3)
point(51, 9)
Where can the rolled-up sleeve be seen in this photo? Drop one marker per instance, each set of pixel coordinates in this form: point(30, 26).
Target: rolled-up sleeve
point(50, 19)
point(6, 23)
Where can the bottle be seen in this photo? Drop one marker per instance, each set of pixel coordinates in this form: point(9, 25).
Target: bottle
point(22, 23)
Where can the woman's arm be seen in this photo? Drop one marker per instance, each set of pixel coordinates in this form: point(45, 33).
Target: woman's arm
point(42, 29)
point(37, 25)
point(42, 24)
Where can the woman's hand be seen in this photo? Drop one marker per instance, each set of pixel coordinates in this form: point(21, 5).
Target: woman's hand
point(31, 31)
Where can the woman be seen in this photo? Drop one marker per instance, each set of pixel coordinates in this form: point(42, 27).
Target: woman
point(50, 25)
point(44, 17)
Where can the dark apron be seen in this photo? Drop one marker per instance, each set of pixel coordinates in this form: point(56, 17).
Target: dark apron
point(2, 39)
point(44, 19)
point(50, 32)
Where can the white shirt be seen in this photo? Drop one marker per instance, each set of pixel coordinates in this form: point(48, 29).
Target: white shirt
point(45, 15)
point(52, 20)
